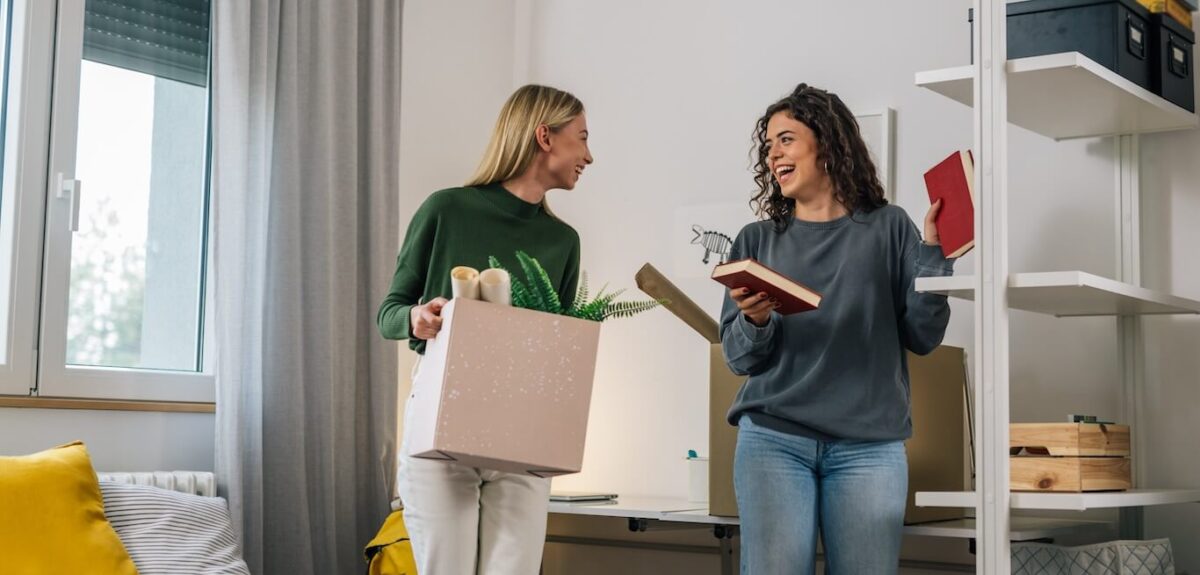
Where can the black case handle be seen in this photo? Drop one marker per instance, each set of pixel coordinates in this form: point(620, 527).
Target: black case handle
point(1177, 58)
point(1135, 37)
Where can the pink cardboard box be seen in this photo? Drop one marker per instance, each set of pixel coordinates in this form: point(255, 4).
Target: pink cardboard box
point(505, 388)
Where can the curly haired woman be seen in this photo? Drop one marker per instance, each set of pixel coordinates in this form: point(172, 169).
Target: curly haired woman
point(825, 411)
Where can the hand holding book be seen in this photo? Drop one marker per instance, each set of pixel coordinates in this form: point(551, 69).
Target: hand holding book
point(931, 232)
point(951, 187)
point(755, 306)
point(758, 289)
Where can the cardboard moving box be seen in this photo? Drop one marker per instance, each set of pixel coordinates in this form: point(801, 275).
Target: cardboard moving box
point(505, 388)
point(937, 452)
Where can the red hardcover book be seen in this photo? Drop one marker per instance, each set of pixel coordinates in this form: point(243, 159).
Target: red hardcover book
point(793, 297)
point(953, 182)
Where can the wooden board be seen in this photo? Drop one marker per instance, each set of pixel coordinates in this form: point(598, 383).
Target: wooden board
point(1070, 439)
point(1069, 474)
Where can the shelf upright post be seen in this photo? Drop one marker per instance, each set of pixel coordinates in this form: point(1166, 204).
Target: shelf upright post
point(991, 283)
point(1129, 327)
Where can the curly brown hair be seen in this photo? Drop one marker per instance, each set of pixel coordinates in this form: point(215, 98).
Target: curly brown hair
point(840, 148)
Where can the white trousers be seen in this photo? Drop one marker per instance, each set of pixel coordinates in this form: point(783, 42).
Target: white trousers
point(470, 521)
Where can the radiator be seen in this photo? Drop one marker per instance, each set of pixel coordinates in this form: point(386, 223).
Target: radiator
point(193, 482)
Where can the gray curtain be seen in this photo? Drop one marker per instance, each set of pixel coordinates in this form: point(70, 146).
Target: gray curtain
point(306, 136)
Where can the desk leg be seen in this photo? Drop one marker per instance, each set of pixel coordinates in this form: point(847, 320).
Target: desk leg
point(725, 535)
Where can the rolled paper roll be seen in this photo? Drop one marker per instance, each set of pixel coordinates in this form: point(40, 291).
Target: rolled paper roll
point(495, 286)
point(464, 282)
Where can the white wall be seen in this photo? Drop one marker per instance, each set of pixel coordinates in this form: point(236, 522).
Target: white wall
point(457, 62)
point(673, 89)
point(1170, 209)
point(116, 440)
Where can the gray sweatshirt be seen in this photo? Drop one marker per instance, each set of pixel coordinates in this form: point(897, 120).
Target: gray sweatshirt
point(837, 372)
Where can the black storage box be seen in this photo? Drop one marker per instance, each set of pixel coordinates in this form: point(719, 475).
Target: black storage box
point(1171, 46)
point(1114, 33)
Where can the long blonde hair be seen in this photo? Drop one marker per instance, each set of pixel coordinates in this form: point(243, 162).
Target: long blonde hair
point(513, 145)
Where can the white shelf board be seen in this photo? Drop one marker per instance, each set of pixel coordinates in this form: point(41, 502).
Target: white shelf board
point(1068, 95)
point(1067, 501)
point(1019, 529)
point(1070, 293)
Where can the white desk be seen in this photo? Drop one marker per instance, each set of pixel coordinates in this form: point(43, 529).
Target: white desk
point(1020, 528)
point(631, 507)
point(641, 511)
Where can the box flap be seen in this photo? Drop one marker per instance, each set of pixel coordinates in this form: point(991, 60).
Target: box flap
point(658, 286)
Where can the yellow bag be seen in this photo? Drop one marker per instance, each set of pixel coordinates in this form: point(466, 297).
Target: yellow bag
point(390, 552)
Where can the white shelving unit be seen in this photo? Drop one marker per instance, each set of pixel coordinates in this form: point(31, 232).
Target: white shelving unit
point(1067, 501)
point(1066, 294)
point(1068, 95)
point(1060, 96)
point(1020, 528)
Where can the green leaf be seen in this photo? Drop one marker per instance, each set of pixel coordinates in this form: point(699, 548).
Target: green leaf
point(581, 294)
point(520, 294)
point(631, 308)
point(540, 284)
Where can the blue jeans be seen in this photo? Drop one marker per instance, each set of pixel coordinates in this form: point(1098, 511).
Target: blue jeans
point(789, 488)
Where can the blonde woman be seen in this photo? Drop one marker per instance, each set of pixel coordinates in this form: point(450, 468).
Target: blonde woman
point(465, 520)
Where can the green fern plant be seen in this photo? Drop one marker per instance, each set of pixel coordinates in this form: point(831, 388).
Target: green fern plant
point(537, 293)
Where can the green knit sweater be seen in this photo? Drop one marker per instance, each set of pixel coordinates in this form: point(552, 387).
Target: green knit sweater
point(462, 227)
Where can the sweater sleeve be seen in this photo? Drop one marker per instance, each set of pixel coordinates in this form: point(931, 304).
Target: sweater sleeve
point(925, 315)
point(412, 268)
point(747, 348)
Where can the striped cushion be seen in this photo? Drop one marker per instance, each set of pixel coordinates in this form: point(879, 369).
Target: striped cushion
point(170, 532)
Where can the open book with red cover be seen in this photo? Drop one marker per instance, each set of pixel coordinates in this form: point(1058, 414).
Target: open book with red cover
point(953, 182)
point(793, 297)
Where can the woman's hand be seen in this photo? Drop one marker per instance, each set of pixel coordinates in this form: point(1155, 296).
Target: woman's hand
point(931, 233)
point(756, 307)
point(426, 320)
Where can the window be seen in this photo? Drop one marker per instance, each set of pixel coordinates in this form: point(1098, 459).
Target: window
point(125, 164)
point(24, 116)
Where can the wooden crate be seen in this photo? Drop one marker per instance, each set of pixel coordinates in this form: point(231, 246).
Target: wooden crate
point(1070, 439)
point(1069, 474)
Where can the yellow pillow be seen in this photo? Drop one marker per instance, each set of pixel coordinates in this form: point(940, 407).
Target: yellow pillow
point(53, 516)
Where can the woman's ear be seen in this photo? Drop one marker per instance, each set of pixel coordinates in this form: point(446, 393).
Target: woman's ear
point(542, 135)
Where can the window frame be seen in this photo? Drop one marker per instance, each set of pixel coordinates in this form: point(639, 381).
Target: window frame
point(30, 61)
point(55, 377)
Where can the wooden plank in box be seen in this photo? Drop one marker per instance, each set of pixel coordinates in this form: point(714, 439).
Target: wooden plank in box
point(1069, 474)
point(505, 388)
point(1070, 439)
